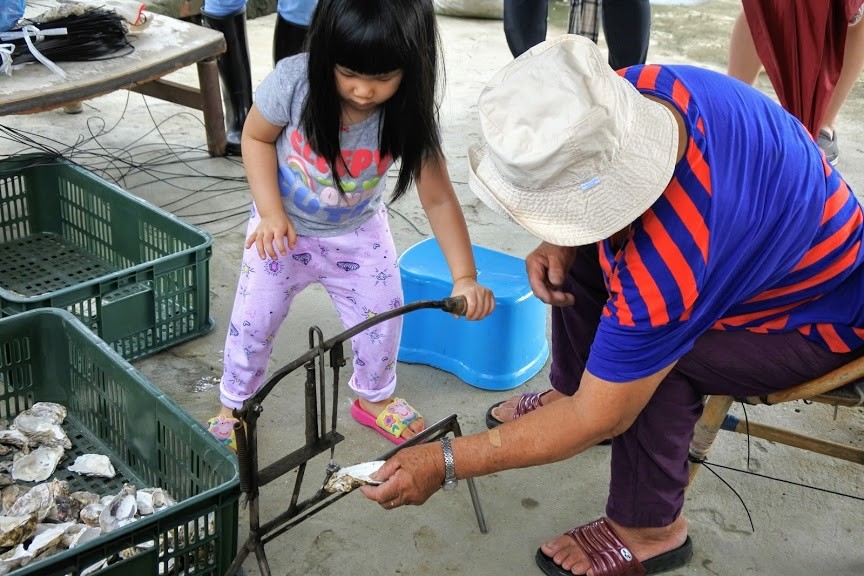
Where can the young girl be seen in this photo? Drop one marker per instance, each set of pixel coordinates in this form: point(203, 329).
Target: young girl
point(317, 145)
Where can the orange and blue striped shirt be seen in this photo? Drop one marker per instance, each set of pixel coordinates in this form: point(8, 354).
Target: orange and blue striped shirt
point(755, 231)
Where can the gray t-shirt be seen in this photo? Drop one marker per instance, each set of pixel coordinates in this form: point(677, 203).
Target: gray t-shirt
point(306, 184)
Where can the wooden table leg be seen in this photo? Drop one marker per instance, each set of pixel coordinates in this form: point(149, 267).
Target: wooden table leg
point(211, 105)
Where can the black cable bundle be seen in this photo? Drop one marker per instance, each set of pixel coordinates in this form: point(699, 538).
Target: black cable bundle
point(93, 34)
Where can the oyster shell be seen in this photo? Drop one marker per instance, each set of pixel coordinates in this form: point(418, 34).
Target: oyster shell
point(54, 412)
point(85, 497)
point(121, 508)
point(90, 514)
point(78, 534)
point(94, 567)
point(49, 536)
point(38, 465)
point(65, 509)
point(144, 500)
point(93, 465)
point(16, 529)
point(38, 500)
point(9, 495)
point(161, 499)
point(165, 567)
point(15, 438)
point(350, 477)
point(13, 559)
point(41, 429)
point(130, 552)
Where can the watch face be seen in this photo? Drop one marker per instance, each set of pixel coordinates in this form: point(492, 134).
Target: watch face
point(449, 485)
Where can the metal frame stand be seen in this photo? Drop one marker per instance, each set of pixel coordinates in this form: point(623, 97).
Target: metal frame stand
point(318, 437)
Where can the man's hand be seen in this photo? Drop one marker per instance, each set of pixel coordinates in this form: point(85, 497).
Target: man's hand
point(411, 476)
point(547, 267)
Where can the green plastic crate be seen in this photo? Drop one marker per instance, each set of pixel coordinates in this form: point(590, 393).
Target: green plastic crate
point(48, 355)
point(134, 274)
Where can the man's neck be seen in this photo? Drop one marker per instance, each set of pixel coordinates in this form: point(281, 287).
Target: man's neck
point(679, 120)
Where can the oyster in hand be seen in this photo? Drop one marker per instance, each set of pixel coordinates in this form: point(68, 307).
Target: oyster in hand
point(350, 477)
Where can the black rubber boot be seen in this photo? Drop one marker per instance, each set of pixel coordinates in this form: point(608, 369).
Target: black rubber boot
point(288, 39)
point(234, 72)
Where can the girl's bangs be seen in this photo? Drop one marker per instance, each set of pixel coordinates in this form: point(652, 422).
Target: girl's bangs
point(370, 49)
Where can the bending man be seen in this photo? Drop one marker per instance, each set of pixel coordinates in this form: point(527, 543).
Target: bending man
point(695, 242)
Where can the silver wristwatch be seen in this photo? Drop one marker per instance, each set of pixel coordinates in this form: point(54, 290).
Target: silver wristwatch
point(449, 465)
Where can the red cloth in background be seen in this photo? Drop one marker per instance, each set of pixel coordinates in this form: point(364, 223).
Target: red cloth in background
point(801, 45)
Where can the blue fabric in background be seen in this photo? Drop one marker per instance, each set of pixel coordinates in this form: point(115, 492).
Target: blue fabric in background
point(10, 12)
point(295, 11)
point(219, 8)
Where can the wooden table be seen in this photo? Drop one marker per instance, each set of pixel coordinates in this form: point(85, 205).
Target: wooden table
point(164, 46)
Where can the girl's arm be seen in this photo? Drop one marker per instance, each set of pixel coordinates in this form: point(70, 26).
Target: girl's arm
point(259, 158)
point(442, 207)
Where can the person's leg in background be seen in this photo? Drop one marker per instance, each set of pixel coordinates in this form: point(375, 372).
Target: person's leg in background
point(292, 24)
point(229, 17)
point(627, 29)
point(524, 24)
point(853, 64)
point(744, 63)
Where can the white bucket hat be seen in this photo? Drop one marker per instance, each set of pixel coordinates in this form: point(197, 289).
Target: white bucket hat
point(573, 152)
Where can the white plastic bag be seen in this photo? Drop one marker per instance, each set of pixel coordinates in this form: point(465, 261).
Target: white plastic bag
point(493, 9)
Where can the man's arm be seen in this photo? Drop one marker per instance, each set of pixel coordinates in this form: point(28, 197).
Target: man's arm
point(600, 409)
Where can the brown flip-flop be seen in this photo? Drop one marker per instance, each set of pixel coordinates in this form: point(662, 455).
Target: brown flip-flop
point(609, 556)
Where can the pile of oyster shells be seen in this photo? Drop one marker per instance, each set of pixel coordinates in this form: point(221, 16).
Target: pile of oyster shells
point(37, 520)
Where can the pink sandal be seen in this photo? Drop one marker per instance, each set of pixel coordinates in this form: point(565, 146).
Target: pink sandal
point(391, 422)
point(527, 402)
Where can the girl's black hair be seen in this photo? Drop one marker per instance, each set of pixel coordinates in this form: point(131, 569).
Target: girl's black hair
point(376, 37)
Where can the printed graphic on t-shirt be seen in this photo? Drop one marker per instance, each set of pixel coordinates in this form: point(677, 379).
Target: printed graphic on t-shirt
point(307, 187)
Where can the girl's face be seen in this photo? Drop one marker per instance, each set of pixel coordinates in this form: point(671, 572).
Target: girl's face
point(363, 93)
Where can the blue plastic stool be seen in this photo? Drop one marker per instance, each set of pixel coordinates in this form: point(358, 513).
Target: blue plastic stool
point(499, 352)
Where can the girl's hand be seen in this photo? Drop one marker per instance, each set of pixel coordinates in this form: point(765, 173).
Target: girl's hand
point(274, 231)
point(481, 301)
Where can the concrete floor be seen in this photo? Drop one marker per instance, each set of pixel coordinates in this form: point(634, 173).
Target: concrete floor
point(798, 530)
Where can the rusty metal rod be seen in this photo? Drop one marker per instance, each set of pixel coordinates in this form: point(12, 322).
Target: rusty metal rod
point(452, 305)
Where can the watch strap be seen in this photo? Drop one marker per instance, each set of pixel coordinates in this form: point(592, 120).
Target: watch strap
point(449, 462)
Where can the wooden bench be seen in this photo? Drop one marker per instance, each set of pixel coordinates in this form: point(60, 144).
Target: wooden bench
point(842, 387)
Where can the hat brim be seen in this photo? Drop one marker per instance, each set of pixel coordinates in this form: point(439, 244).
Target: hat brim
point(574, 215)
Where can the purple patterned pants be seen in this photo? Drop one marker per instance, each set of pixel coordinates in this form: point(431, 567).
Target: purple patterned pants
point(360, 272)
point(649, 461)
